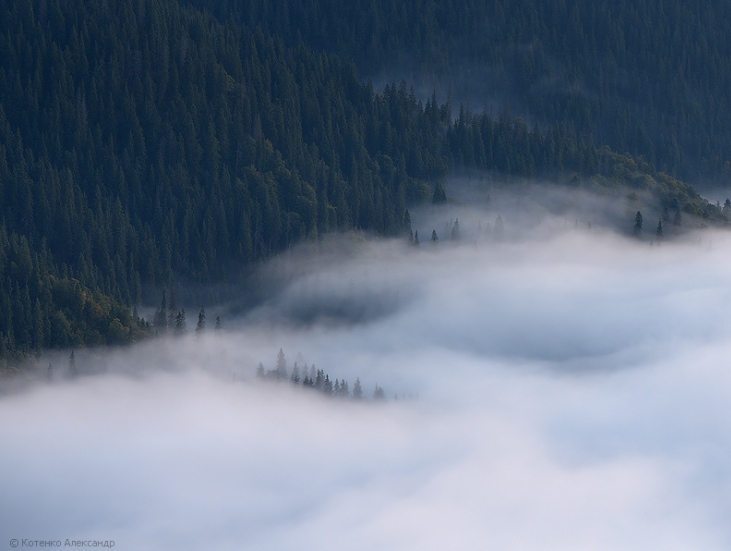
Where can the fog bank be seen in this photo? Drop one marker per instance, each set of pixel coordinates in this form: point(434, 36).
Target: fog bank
point(573, 394)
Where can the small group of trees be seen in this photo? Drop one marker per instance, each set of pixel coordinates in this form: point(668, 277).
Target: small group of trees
point(677, 221)
point(496, 232)
point(168, 318)
point(315, 379)
point(71, 372)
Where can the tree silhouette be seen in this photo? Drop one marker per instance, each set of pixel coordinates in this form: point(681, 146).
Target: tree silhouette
point(638, 224)
point(72, 372)
point(439, 196)
point(200, 327)
point(455, 230)
point(281, 369)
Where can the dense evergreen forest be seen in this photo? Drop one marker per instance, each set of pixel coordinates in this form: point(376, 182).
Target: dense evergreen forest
point(150, 143)
point(648, 77)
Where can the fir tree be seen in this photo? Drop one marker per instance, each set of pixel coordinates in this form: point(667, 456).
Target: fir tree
point(439, 196)
point(180, 325)
point(455, 230)
point(379, 394)
point(281, 368)
point(200, 327)
point(72, 372)
point(160, 321)
point(638, 224)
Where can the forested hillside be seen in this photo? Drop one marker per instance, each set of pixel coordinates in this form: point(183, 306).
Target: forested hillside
point(648, 77)
point(151, 142)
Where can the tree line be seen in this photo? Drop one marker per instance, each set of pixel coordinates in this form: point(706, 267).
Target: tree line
point(154, 143)
point(309, 377)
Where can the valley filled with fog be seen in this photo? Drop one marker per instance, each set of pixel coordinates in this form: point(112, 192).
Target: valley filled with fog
point(552, 384)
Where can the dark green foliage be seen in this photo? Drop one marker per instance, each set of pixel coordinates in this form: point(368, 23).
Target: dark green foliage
point(200, 327)
point(147, 142)
point(180, 325)
point(638, 224)
point(72, 372)
point(648, 77)
point(438, 196)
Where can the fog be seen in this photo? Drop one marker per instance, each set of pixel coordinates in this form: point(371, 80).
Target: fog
point(573, 393)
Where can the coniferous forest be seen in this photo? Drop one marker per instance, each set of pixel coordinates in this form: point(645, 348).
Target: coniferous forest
point(149, 143)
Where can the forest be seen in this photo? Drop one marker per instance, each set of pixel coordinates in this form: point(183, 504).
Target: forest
point(153, 144)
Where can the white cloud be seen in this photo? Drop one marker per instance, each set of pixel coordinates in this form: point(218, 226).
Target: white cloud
point(573, 395)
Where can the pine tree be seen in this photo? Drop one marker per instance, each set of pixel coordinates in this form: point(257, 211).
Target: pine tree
point(281, 369)
point(638, 224)
point(439, 196)
point(379, 394)
point(658, 232)
point(217, 328)
point(200, 327)
point(357, 390)
point(180, 325)
point(455, 230)
point(72, 372)
point(160, 321)
point(172, 310)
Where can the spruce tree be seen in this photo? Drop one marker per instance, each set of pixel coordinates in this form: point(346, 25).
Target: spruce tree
point(281, 365)
point(72, 372)
point(638, 224)
point(439, 196)
point(200, 327)
point(180, 325)
point(455, 230)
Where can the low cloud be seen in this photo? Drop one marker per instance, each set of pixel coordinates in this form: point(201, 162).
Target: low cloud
point(573, 394)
